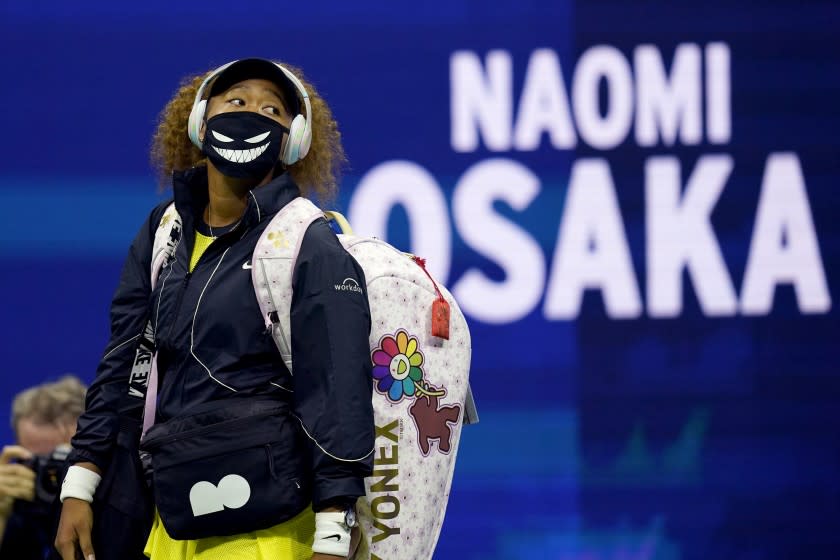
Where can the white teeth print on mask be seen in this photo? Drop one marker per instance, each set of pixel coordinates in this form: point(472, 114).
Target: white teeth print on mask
point(242, 156)
point(229, 144)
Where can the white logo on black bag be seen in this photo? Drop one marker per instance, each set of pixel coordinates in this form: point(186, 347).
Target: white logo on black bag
point(232, 492)
point(349, 285)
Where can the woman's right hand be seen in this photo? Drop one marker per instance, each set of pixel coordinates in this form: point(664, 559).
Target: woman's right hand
point(74, 529)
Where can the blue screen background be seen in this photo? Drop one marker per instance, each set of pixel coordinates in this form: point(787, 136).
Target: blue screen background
point(601, 439)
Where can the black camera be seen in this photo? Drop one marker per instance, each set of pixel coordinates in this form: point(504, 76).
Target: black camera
point(48, 470)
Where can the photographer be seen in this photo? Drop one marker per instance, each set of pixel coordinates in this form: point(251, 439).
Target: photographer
point(43, 419)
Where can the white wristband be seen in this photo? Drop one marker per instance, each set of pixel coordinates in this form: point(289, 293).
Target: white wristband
point(332, 536)
point(79, 483)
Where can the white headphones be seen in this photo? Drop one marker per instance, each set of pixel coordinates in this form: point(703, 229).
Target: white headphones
point(300, 131)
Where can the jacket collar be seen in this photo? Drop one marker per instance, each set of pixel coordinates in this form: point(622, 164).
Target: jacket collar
point(191, 197)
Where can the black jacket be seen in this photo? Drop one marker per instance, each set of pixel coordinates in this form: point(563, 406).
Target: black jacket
point(211, 339)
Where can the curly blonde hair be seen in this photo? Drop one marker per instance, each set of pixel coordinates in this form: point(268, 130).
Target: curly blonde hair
point(316, 174)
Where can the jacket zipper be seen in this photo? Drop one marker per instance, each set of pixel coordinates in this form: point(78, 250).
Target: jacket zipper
point(178, 302)
point(184, 285)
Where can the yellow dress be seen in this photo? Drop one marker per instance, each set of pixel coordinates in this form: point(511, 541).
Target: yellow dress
point(201, 243)
point(290, 540)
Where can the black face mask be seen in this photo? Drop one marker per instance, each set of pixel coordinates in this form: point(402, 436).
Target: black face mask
point(242, 144)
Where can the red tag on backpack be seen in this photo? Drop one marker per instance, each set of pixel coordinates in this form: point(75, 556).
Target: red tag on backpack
point(440, 308)
point(440, 319)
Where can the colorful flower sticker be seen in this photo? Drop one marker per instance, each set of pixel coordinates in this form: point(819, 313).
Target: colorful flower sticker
point(397, 366)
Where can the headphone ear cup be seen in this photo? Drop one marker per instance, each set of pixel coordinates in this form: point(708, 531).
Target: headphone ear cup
point(194, 122)
point(298, 142)
point(305, 141)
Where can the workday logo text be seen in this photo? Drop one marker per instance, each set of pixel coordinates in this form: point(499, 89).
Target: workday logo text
point(348, 285)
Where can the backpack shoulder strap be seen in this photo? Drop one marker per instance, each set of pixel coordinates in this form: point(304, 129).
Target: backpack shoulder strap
point(273, 265)
point(167, 236)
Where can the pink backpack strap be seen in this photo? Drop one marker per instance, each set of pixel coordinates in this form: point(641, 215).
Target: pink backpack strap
point(273, 265)
point(167, 237)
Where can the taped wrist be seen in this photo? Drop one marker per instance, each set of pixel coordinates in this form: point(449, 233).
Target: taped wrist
point(332, 536)
point(79, 483)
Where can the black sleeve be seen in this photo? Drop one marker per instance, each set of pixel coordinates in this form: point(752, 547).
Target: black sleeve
point(98, 425)
point(330, 325)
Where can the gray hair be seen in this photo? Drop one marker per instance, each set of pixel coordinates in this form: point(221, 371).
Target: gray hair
point(58, 402)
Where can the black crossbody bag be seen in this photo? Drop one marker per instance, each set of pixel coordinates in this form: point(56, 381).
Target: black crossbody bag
point(227, 467)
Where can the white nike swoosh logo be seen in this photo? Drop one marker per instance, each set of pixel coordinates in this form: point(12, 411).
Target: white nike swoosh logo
point(247, 265)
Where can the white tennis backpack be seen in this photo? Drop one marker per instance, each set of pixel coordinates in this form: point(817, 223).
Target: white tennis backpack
point(420, 350)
